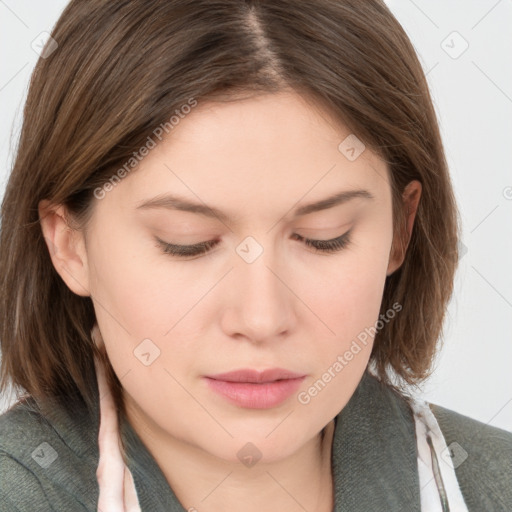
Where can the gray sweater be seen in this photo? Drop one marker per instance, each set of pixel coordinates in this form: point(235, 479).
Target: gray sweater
point(48, 460)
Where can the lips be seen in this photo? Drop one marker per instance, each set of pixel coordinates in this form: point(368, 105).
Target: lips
point(255, 376)
point(253, 389)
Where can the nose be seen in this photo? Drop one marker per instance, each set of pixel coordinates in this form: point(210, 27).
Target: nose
point(261, 303)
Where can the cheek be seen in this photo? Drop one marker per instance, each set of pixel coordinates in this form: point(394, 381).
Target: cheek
point(346, 291)
point(136, 285)
point(348, 301)
point(139, 295)
point(346, 296)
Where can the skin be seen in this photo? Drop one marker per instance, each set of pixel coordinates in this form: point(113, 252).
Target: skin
point(293, 307)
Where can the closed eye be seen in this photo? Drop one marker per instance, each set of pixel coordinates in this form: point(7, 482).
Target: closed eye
point(326, 246)
point(329, 246)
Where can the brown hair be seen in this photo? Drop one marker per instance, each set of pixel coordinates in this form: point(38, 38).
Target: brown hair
point(123, 68)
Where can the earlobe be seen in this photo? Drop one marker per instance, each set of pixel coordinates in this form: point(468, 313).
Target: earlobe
point(65, 246)
point(396, 255)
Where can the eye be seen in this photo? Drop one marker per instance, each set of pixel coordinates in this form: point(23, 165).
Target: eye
point(186, 250)
point(326, 246)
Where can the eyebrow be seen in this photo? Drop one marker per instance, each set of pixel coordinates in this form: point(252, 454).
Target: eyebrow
point(172, 202)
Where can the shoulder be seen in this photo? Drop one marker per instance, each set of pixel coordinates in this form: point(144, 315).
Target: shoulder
point(20, 490)
point(21, 434)
point(45, 462)
point(482, 458)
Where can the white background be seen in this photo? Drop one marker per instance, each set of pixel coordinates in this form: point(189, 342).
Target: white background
point(473, 99)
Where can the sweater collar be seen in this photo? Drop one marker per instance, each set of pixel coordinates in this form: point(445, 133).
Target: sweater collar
point(374, 456)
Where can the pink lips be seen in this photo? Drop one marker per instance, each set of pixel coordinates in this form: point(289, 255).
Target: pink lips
point(256, 390)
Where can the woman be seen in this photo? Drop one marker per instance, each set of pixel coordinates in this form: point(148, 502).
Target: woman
point(228, 243)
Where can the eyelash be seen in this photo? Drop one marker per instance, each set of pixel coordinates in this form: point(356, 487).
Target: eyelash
point(325, 246)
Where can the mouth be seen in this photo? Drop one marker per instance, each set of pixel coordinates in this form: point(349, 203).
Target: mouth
point(253, 389)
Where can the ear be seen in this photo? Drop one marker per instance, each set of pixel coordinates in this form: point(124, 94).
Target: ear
point(66, 246)
point(401, 238)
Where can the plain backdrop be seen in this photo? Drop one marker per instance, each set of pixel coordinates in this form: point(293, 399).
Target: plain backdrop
point(465, 49)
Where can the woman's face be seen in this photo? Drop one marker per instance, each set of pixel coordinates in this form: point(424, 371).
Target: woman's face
point(260, 298)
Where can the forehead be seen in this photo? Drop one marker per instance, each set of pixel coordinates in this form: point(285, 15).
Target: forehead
point(249, 153)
